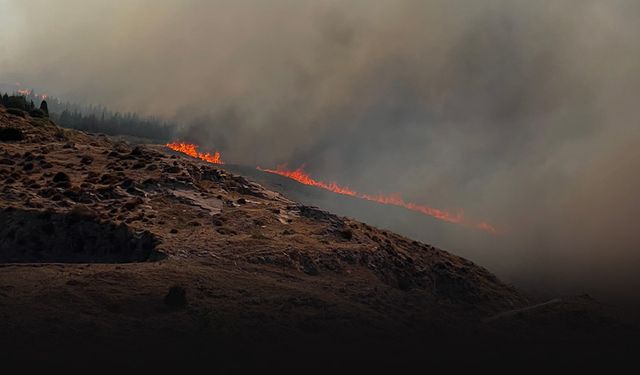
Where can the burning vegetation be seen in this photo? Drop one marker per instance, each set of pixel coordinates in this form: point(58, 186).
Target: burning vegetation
point(302, 177)
point(192, 150)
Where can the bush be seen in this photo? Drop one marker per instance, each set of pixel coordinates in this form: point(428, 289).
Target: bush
point(16, 112)
point(37, 113)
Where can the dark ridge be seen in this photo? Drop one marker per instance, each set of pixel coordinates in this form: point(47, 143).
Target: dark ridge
point(75, 237)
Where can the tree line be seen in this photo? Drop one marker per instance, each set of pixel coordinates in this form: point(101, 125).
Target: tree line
point(24, 104)
point(90, 118)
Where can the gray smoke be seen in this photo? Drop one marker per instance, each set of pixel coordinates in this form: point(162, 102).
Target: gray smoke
point(523, 113)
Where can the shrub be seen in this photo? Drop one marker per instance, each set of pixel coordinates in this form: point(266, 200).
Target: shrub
point(37, 113)
point(16, 112)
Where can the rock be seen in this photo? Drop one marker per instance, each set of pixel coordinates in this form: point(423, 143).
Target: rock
point(86, 160)
point(108, 179)
point(60, 177)
point(309, 266)
point(73, 192)
point(346, 234)
point(173, 169)
point(133, 203)
point(150, 181)
point(135, 191)
point(137, 151)
point(317, 214)
point(226, 231)
point(122, 147)
point(47, 192)
point(242, 201)
point(128, 183)
point(81, 212)
point(109, 192)
point(176, 297)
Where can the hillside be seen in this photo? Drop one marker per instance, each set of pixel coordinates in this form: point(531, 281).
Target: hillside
point(409, 223)
point(94, 233)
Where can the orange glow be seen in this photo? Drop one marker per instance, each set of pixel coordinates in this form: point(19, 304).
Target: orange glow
point(24, 92)
point(302, 177)
point(392, 199)
point(192, 150)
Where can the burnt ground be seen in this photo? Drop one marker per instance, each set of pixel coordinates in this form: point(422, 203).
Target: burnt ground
point(94, 232)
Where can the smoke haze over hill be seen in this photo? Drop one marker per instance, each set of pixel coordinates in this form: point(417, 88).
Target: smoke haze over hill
point(523, 113)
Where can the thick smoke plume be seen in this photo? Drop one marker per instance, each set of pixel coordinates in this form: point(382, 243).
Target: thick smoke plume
point(523, 113)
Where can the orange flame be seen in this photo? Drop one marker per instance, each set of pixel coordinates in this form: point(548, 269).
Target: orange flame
point(192, 150)
point(392, 199)
point(302, 177)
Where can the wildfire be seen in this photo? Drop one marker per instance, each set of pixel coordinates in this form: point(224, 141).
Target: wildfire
point(392, 199)
point(192, 150)
point(302, 177)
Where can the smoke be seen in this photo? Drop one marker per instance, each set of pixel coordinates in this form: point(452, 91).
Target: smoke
point(523, 113)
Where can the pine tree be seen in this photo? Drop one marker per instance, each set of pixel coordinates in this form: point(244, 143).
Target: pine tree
point(44, 107)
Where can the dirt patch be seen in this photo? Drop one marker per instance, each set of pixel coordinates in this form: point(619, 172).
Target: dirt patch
point(45, 237)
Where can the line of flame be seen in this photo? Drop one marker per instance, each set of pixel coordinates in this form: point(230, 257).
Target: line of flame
point(302, 177)
point(192, 150)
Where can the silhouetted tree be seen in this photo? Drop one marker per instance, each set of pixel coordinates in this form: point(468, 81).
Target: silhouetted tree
point(18, 102)
point(44, 107)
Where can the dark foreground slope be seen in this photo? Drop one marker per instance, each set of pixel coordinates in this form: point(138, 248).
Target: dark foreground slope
point(94, 233)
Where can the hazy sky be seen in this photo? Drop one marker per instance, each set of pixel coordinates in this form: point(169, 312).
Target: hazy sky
point(523, 113)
